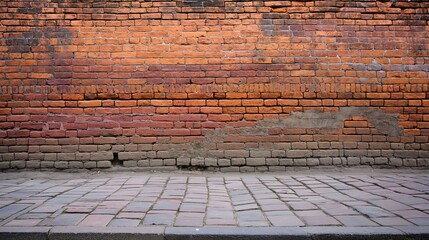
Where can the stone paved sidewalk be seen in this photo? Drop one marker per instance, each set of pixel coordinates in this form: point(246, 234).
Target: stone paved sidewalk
point(379, 199)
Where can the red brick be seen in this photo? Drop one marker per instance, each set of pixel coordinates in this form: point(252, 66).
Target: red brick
point(270, 109)
point(17, 104)
point(165, 118)
point(229, 103)
point(55, 133)
point(253, 117)
point(72, 111)
point(53, 103)
point(253, 102)
point(211, 110)
point(219, 117)
point(378, 95)
point(356, 124)
point(18, 118)
point(395, 103)
point(91, 103)
point(108, 125)
point(233, 110)
point(75, 125)
point(192, 117)
point(89, 133)
point(5, 111)
point(287, 102)
point(174, 132)
point(32, 111)
point(414, 95)
point(18, 133)
point(358, 103)
point(161, 103)
point(6, 125)
point(125, 103)
point(195, 103)
point(310, 103)
point(236, 95)
point(72, 97)
point(177, 95)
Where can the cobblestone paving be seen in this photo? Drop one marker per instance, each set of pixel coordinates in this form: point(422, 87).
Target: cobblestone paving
point(263, 200)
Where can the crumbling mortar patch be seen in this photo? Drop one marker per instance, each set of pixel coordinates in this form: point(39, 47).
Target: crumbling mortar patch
point(386, 123)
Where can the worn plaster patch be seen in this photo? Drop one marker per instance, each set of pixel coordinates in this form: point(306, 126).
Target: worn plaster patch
point(384, 122)
point(387, 123)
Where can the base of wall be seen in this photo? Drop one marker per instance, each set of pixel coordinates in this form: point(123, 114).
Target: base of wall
point(223, 164)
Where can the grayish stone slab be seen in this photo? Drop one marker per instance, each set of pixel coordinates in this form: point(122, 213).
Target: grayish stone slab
point(227, 233)
point(351, 233)
point(415, 230)
point(24, 233)
point(104, 233)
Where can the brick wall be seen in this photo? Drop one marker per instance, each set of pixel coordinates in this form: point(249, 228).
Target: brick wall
point(236, 85)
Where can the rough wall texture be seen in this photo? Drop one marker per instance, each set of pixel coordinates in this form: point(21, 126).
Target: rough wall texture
point(230, 84)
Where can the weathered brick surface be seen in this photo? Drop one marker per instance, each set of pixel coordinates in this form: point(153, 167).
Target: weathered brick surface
point(238, 85)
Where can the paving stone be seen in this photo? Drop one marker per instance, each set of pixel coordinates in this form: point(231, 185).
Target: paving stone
point(421, 206)
point(220, 213)
point(106, 210)
point(253, 224)
point(390, 205)
point(301, 205)
point(285, 221)
point(419, 221)
point(68, 219)
point(250, 215)
point(12, 209)
point(96, 220)
point(124, 223)
point(189, 219)
point(23, 223)
point(138, 207)
point(131, 215)
point(411, 214)
point(337, 209)
point(392, 221)
point(220, 222)
point(246, 207)
point(34, 216)
point(165, 219)
point(320, 220)
point(310, 213)
point(356, 221)
point(78, 209)
point(166, 205)
point(270, 207)
point(372, 211)
point(193, 207)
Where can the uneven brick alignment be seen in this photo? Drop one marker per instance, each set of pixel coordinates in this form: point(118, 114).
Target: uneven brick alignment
point(236, 85)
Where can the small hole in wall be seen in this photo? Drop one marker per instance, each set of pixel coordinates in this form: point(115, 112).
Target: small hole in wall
point(116, 162)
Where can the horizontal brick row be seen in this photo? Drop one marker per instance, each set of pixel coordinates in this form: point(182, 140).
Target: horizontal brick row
point(223, 164)
point(208, 89)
